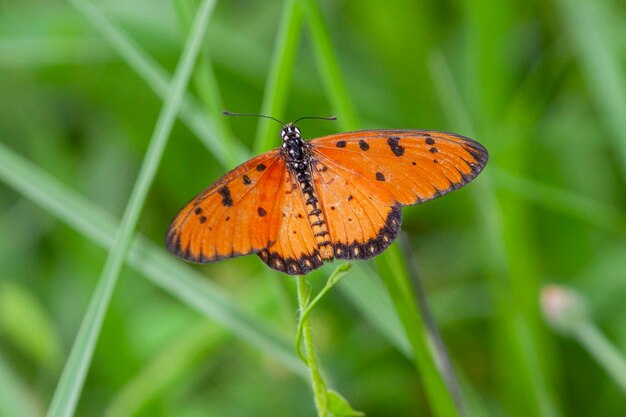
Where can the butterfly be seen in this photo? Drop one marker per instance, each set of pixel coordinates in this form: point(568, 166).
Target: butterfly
point(337, 196)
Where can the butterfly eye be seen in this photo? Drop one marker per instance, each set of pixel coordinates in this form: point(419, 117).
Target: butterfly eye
point(284, 133)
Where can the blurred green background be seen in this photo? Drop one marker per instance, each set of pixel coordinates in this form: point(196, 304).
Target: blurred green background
point(542, 84)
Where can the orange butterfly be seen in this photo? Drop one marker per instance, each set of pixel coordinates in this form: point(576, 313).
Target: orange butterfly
point(338, 196)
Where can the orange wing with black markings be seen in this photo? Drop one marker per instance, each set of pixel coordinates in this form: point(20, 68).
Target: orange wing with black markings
point(363, 178)
point(295, 250)
point(238, 215)
point(338, 196)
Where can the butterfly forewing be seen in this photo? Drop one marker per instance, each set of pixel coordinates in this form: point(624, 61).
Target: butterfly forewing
point(238, 215)
point(362, 179)
point(412, 166)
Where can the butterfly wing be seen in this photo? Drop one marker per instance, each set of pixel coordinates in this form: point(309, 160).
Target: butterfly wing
point(363, 178)
point(237, 215)
point(295, 250)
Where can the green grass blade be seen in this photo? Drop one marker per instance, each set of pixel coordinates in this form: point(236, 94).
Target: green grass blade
point(398, 283)
point(515, 319)
point(152, 261)
point(68, 390)
point(554, 198)
point(166, 368)
point(448, 95)
point(437, 392)
point(280, 74)
point(15, 396)
point(368, 295)
point(603, 351)
point(566, 311)
point(226, 150)
point(329, 67)
point(25, 323)
point(594, 31)
point(208, 89)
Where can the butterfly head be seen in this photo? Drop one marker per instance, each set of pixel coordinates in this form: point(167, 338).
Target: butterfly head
point(289, 131)
point(293, 148)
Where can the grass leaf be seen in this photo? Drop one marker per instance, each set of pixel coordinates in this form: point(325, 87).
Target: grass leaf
point(70, 385)
point(279, 77)
point(151, 260)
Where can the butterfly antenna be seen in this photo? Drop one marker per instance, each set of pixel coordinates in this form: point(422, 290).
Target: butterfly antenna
point(315, 117)
point(228, 113)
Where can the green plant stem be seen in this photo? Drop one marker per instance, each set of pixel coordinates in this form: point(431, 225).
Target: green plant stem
point(566, 312)
point(317, 381)
point(601, 349)
point(73, 376)
point(334, 278)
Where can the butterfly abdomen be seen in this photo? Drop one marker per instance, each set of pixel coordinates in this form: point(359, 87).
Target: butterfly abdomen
point(315, 214)
point(298, 155)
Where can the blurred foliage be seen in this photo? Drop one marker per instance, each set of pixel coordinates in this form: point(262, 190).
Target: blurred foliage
point(541, 84)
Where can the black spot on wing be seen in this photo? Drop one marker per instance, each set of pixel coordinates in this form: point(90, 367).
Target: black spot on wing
point(291, 266)
point(227, 200)
point(261, 211)
point(363, 145)
point(341, 144)
point(260, 167)
point(380, 176)
point(394, 145)
point(375, 245)
point(247, 180)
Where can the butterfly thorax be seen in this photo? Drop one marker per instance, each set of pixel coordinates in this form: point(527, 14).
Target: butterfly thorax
point(297, 154)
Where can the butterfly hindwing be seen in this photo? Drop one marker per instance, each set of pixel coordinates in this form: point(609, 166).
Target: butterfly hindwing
point(238, 215)
point(362, 216)
point(295, 250)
